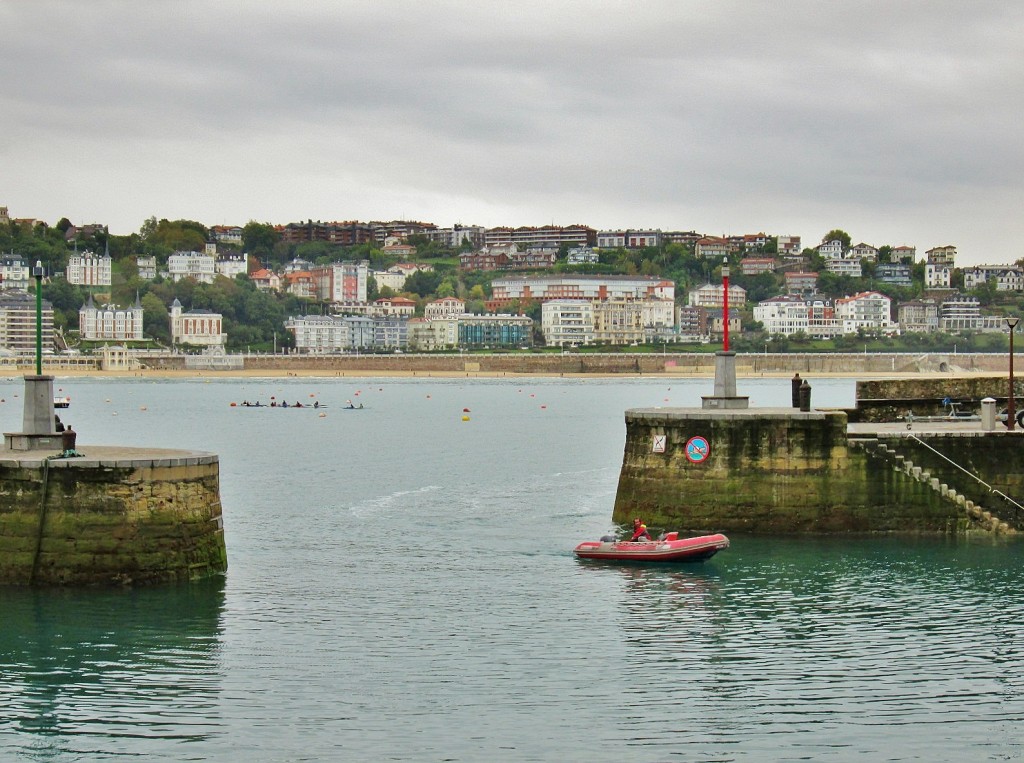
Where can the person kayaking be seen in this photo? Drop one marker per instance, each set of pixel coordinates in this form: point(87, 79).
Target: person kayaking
point(639, 531)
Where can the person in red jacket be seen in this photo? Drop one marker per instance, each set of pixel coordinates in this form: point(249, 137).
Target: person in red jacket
point(640, 531)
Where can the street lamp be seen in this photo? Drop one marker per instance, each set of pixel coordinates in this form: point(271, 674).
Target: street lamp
point(1010, 408)
point(37, 273)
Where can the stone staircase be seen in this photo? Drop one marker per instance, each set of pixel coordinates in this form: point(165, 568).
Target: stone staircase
point(979, 517)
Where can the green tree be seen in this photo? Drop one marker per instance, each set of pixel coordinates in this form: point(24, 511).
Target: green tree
point(258, 239)
point(836, 233)
point(156, 318)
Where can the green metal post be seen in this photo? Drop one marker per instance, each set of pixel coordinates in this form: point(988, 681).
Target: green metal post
point(37, 271)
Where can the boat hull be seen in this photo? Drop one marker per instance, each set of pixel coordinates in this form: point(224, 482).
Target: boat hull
point(697, 549)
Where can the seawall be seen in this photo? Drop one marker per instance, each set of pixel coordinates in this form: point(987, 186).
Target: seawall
point(774, 471)
point(747, 364)
point(114, 516)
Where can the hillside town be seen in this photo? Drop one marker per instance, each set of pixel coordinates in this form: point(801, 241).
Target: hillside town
point(406, 286)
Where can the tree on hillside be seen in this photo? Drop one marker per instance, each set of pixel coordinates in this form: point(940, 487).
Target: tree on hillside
point(156, 318)
point(842, 235)
point(258, 239)
point(423, 282)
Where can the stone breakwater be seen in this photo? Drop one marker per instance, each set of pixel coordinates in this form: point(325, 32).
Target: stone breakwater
point(772, 471)
point(114, 516)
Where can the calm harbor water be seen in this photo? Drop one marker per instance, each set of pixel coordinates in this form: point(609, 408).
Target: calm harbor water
point(401, 587)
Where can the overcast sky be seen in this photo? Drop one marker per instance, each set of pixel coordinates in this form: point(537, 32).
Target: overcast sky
point(899, 122)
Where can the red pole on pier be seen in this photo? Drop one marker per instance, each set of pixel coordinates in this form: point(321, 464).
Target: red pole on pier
point(725, 305)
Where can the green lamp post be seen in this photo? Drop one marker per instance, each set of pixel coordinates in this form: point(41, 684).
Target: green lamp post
point(37, 273)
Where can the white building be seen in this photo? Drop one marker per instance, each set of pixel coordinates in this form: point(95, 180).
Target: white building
point(1006, 278)
point(201, 327)
point(580, 255)
point(789, 314)
point(863, 251)
point(14, 273)
point(110, 322)
point(594, 288)
point(845, 267)
point(937, 276)
point(867, 310)
point(146, 267)
point(393, 306)
point(567, 322)
point(444, 308)
point(199, 266)
point(786, 314)
point(320, 334)
point(437, 334)
point(231, 264)
point(88, 269)
point(393, 281)
point(831, 249)
point(713, 295)
point(227, 234)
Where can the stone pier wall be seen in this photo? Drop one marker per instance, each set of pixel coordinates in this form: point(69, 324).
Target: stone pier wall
point(119, 521)
point(772, 471)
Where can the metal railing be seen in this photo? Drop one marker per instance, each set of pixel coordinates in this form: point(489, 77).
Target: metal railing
point(994, 491)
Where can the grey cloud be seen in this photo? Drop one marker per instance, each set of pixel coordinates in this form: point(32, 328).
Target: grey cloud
point(628, 109)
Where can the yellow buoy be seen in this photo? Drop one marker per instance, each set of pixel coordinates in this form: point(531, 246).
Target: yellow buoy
point(465, 418)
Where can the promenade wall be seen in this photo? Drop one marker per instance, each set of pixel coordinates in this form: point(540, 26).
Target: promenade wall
point(747, 364)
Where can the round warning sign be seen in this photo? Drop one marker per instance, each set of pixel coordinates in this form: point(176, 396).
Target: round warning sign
point(697, 449)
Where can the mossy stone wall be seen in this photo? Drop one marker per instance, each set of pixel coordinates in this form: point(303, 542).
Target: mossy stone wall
point(767, 473)
point(101, 525)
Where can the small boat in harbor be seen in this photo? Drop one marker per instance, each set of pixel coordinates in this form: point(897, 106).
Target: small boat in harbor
point(671, 548)
point(62, 402)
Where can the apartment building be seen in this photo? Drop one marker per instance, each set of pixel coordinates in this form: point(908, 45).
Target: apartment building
point(495, 330)
point(867, 310)
point(542, 288)
point(18, 323)
point(712, 247)
point(551, 236)
point(444, 308)
point(341, 281)
point(199, 266)
point(567, 322)
point(1005, 278)
point(713, 295)
point(918, 316)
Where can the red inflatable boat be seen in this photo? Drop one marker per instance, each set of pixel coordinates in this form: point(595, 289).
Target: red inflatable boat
point(670, 549)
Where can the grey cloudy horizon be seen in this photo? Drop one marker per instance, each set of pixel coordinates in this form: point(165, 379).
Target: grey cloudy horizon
point(897, 122)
